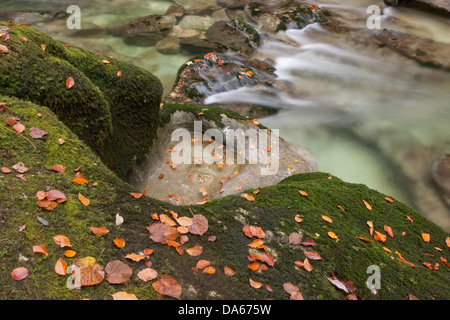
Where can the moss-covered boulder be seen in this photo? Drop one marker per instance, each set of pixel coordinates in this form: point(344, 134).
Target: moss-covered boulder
point(407, 263)
point(111, 102)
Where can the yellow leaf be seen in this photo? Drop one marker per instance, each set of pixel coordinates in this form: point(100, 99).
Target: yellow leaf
point(332, 235)
point(327, 219)
point(85, 201)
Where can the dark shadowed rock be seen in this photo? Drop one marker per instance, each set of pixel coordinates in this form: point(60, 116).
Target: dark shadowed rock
point(146, 31)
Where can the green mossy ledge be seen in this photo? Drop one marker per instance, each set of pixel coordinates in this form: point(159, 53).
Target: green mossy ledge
point(274, 209)
point(115, 115)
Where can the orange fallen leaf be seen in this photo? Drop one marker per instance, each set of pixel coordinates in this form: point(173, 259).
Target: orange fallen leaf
point(99, 231)
point(164, 218)
point(41, 195)
point(202, 264)
point(380, 237)
point(199, 225)
point(61, 267)
point(303, 193)
point(184, 221)
point(447, 241)
point(368, 206)
point(255, 284)
point(40, 248)
point(253, 266)
point(364, 239)
point(312, 255)
point(389, 231)
point(85, 201)
point(122, 295)
point(19, 273)
point(58, 168)
point(46, 204)
point(135, 257)
point(62, 241)
point(445, 261)
point(327, 219)
point(70, 253)
point(389, 199)
point(426, 237)
point(209, 270)
point(70, 82)
point(253, 231)
point(257, 244)
point(168, 286)
point(119, 242)
point(332, 235)
point(195, 251)
point(298, 219)
point(228, 271)
point(248, 197)
point(80, 180)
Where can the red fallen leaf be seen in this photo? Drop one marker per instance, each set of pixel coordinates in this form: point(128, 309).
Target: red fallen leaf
point(195, 251)
point(6, 36)
point(19, 128)
point(20, 167)
point(228, 271)
point(364, 239)
point(253, 231)
point(37, 133)
point(265, 257)
point(57, 195)
point(412, 297)
point(295, 238)
point(61, 267)
point(58, 168)
point(88, 272)
point(117, 272)
point(308, 242)
point(389, 231)
point(312, 255)
point(6, 170)
point(430, 266)
point(159, 232)
point(255, 284)
point(70, 82)
point(40, 248)
point(61, 141)
point(62, 241)
point(248, 197)
point(199, 225)
point(4, 48)
point(99, 231)
point(147, 274)
point(21, 177)
point(19, 273)
point(410, 219)
point(168, 286)
point(290, 288)
point(10, 122)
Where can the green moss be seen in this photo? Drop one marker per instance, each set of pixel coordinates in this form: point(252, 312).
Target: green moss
point(274, 209)
point(102, 108)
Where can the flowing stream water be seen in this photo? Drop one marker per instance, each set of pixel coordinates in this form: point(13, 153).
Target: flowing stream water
point(343, 94)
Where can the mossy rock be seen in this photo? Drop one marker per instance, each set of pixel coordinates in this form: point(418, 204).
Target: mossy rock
point(274, 210)
point(104, 108)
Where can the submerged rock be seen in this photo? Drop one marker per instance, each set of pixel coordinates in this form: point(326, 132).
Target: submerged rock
point(441, 176)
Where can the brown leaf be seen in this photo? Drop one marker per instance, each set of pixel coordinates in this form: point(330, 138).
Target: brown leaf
point(62, 241)
point(57, 195)
point(253, 231)
point(295, 238)
point(46, 204)
point(228, 271)
point(312, 255)
point(184, 221)
point(61, 267)
point(159, 232)
point(202, 264)
point(290, 288)
point(168, 286)
point(117, 272)
point(4, 48)
point(248, 197)
point(19, 273)
point(37, 133)
point(99, 231)
point(308, 242)
point(209, 270)
point(199, 225)
point(20, 167)
point(88, 272)
point(41, 195)
point(6, 170)
point(147, 274)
